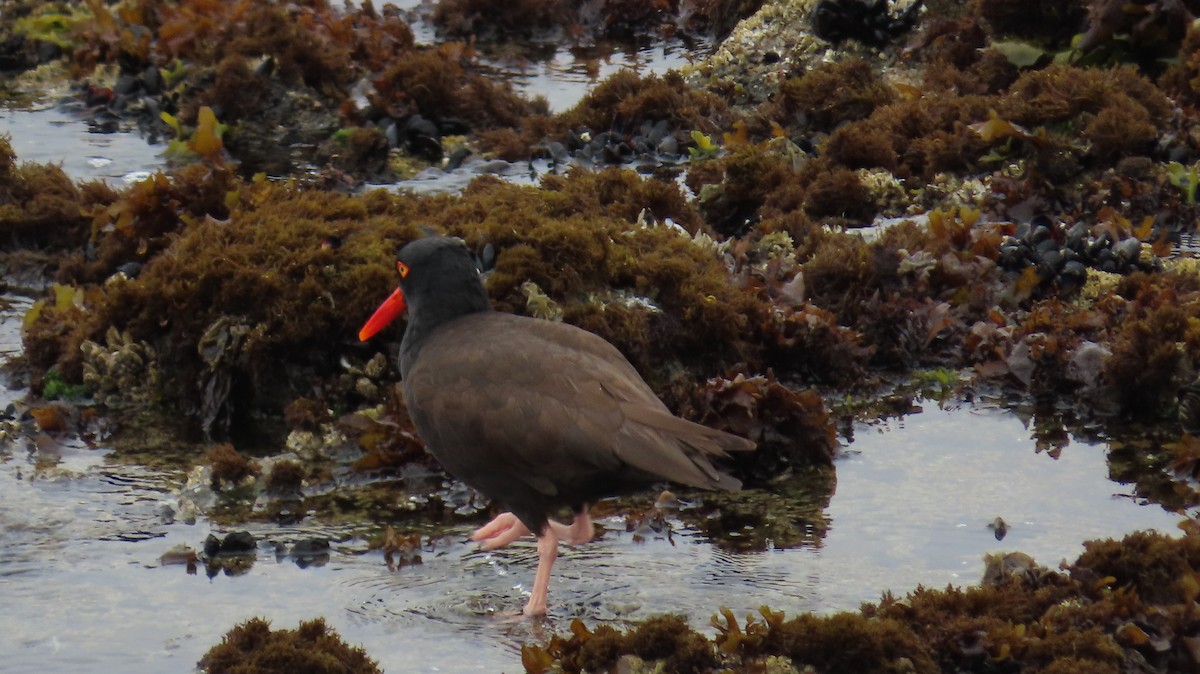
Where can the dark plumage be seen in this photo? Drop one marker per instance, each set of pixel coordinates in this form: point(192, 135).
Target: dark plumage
point(536, 415)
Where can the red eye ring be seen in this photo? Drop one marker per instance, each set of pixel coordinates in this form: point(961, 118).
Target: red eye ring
point(402, 268)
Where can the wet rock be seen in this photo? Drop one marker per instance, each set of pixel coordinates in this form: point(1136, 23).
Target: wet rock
point(197, 495)
point(399, 551)
point(181, 554)
point(422, 139)
point(233, 555)
point(235, 543)
point(130, 270)
point(649, 525)
point(457, 157)
point(1020, 363)
point(999, 528)
point(310, 552)
point(288, 516)
point(309, 547)
point(1127, 250)
point(152, 80)
point(999, 567)
point(1087, 364)
point(55, 417)
point(632, 664)
point(18, 53)
point(220, 348)
point(212, 546)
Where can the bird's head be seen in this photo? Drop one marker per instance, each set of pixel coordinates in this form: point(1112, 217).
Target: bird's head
point(434, 267)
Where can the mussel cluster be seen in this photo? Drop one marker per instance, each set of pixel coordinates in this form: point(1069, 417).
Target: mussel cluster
point(871, 22)
point(122, 370)
point(1064, 254)
point(652, 141)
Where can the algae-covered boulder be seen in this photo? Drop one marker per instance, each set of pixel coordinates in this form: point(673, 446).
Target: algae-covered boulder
point(312, 646)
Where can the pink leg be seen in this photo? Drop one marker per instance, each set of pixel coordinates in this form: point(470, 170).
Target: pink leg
point(547, 552)
point(581, 530)
point(498, 533)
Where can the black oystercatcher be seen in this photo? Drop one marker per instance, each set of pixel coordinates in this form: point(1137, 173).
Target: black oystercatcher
point(534, 414)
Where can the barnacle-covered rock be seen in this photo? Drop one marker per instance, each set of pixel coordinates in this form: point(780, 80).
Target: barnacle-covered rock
point(121, 371)
point(539, 304)
point(314, 445)
point(376, 367)
point(886, 191)
point(779, 37)
point(1099, 284)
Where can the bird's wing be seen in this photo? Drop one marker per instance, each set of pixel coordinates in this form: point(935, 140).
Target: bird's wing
point(545, 400)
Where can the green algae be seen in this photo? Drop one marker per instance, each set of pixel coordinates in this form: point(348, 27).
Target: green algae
point(54, 388)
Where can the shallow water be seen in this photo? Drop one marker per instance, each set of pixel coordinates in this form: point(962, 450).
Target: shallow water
point(560, 72)
point(83, 588)
point(566, 76)
point(48, 135)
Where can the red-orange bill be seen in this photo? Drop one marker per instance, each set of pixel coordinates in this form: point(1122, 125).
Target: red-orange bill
point(387, 312)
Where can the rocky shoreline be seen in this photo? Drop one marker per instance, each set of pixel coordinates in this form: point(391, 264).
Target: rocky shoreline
point(844, 207)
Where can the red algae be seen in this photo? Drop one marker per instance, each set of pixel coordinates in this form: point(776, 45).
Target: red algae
point(312, 646)
point(1122, 604)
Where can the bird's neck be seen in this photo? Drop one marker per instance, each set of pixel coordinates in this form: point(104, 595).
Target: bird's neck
point(427, 314)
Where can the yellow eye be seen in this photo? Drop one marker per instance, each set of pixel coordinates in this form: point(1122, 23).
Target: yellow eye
point(402, 268)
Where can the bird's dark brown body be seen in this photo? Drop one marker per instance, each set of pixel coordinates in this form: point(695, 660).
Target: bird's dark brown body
point(536, 415)
point(540, 415)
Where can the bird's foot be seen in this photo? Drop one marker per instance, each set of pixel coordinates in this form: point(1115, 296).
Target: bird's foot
point(536, 606)
point(578, 532)
point(501, 531)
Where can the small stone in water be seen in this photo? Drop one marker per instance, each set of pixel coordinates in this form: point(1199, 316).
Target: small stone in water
point(180, 554)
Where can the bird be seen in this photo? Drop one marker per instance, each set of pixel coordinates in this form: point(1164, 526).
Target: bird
point(536, 415)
